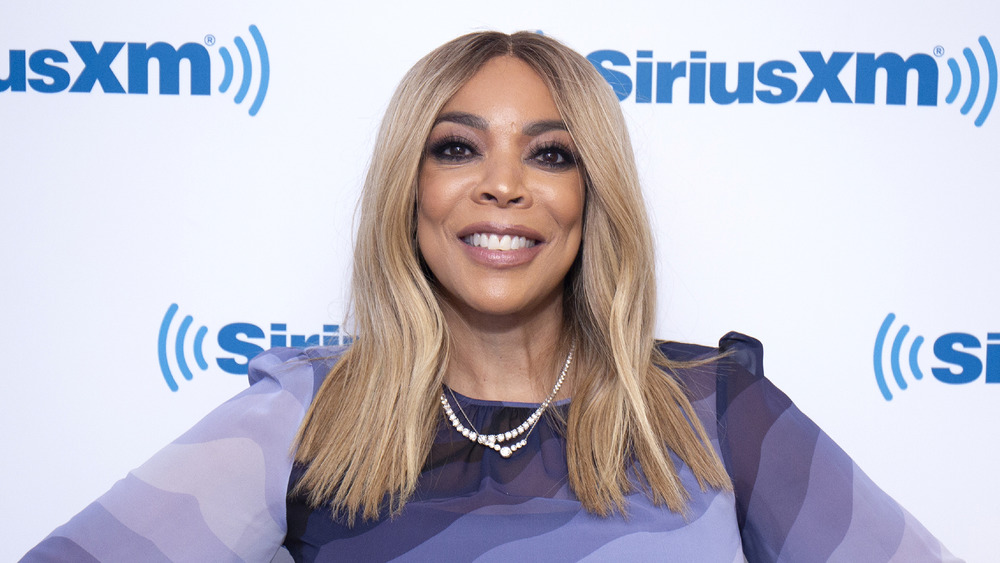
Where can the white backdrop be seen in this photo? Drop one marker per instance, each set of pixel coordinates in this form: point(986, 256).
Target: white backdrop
point(802, 223)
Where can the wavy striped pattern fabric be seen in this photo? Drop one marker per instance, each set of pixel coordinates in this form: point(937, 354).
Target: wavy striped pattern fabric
point(219, 492)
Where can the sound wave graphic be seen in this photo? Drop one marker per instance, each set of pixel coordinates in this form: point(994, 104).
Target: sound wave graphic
point(178, 348)
point(265, 70)
point(894, 356)
point(974, 79)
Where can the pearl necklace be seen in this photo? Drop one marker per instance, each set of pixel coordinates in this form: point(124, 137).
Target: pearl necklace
point(495, 441)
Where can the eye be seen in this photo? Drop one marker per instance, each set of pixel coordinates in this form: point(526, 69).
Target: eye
point(453, 149)
point(554, 156)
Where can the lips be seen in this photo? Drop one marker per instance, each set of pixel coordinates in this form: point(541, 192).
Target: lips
point(499, 245)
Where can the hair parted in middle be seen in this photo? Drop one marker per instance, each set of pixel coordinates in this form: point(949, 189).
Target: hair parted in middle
point(369, 429)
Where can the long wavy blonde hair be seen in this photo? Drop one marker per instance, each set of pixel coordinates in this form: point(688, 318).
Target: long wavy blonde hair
point(370, 427)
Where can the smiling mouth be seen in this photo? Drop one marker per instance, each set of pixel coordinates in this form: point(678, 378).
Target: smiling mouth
point(492, 241)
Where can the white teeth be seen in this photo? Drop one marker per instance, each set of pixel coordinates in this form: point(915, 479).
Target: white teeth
point(492, 241)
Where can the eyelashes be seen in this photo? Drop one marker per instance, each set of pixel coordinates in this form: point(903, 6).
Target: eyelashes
point(554, 155)
point(455, 149)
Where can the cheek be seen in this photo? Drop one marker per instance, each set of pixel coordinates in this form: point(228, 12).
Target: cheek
point(429, 244)
point(437, 194)
point(574, 210)
point(428, 202)
point(433, 206)
point(427, 221)
point(568, 205)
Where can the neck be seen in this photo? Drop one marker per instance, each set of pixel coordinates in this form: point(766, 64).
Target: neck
point(506, 359)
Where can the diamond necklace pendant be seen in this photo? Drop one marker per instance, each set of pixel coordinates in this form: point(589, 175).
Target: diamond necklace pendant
point(496, 441)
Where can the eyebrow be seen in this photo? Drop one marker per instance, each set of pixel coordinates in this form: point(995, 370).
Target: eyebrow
point(539, 127)
point(463, 118)
point(471, 120)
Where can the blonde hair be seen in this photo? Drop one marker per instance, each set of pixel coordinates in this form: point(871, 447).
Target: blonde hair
point(370, 427)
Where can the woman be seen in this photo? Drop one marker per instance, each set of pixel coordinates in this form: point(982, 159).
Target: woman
point(505, 396)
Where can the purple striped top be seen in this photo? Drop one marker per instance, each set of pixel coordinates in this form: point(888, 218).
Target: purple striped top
point(219, 492)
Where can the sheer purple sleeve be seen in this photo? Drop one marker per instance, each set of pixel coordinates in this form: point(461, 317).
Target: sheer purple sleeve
point(799, 497)
point(216, 493)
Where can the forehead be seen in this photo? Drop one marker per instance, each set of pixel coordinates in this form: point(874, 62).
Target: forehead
point(505, 89)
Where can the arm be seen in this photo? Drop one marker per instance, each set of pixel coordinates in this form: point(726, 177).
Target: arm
point(799, 497)
point(217, 493)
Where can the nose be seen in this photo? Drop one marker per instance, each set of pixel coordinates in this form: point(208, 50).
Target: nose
point(503, 184)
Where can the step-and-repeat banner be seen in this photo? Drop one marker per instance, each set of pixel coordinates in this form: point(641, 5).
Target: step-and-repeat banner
point(179, 181)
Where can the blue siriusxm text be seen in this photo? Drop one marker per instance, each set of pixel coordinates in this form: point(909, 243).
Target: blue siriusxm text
point(241, 340)
point(48, 71)
point(807, 79)
point(246, 340)
point(47, 75)
point(963, 354)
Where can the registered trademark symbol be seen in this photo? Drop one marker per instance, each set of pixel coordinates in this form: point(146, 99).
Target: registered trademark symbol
point(209, 40)
point(938, 51)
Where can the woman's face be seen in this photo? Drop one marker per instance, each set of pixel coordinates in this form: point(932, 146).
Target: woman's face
point(500, 202)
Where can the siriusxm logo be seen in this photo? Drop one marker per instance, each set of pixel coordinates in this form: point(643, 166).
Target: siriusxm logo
point(49, 76)
point(804, 80)
point(239, 342)
point(953, 349)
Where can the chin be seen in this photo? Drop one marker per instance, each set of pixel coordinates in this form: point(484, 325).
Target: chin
point(507, 304)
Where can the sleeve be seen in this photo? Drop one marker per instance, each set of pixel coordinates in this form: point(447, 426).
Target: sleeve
point(216, 493)
point(799, 497)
